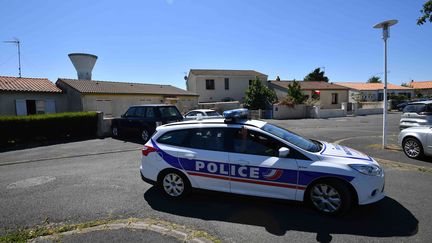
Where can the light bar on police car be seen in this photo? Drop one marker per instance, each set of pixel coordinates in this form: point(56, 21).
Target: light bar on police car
point(236, 114)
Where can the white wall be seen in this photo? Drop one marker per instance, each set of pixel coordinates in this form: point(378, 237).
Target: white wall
point(287, 112)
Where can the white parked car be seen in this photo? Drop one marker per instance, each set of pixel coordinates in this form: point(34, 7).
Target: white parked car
point(416, 142)
point(201, 114)
point(257, 158)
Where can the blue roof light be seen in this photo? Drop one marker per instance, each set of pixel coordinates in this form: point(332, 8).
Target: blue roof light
point(236, 114)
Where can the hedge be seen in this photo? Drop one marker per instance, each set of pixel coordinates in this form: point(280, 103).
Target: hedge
point(70, 125)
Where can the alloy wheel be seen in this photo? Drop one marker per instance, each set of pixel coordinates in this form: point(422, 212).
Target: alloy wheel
point(173, 184)
point(325, 198)
point(412, 148)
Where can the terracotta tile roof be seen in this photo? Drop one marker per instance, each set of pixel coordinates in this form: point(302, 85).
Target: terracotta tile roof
point(310, 85)
point(17, 84)
point(222, 72)
point(372, 86)
point(421, 84)
point(108, 87)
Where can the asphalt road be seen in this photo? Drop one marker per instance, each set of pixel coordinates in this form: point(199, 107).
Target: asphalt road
point(99, 179)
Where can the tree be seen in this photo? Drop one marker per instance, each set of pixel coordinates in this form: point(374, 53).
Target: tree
point(374, 79)
point(316, 75)
point(294, 92)
point(405, 85)
point(426, 13)
point(259, 96)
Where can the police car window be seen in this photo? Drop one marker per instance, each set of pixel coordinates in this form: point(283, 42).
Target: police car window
point(293, 138)
point(206, 138)
point(251, 142)
point(176, 138)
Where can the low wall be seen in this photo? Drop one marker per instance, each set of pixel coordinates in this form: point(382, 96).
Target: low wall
point(316, 112)
point(371, 105)
point(287, 112)
point(363, 112)
point(220, 106)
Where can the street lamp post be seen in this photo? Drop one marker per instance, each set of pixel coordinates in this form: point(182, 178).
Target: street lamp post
point(385, 26)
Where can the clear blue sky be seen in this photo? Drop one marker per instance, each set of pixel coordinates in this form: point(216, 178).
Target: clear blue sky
point(157, 41)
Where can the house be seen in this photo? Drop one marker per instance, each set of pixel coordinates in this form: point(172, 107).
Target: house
point(221, 85)
point(374, 91)
point(421, 88)
point(330, 95)
point(28, 96)
point(113, 98)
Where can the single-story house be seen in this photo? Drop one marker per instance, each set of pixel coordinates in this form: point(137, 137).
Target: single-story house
point(114, 98)
point(422, 87)
point(28, 96)
point(374, 91)
point(213, 85)
point(331, 95)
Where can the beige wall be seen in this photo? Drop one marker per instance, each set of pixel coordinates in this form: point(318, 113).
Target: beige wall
point(236, 91)
point(8, 106)
point(326, 98)
point(116, 105)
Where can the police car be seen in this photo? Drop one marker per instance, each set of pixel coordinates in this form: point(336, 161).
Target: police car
point(253, 157)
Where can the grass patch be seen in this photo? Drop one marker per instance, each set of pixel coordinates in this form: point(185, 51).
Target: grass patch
point(24, 235)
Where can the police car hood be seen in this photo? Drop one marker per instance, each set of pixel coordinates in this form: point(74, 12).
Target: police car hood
point(350, 155)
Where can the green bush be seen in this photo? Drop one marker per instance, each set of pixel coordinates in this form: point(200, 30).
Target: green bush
point(70, 125)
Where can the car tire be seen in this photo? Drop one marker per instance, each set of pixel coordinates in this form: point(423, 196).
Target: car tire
point(412, 148)
point(329, 196)
point(115, 132)
point(145, 135)
point(173, 184)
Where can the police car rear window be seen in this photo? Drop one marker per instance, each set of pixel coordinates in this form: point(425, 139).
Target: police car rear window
point(175, 138)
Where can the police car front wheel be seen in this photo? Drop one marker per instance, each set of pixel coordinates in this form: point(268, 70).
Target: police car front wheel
point(173, 184)
point(330, 197)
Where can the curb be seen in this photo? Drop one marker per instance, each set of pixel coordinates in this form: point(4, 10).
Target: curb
point(176, 231)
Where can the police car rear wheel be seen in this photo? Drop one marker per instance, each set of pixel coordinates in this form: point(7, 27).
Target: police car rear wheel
point(330, 197)
point(174, 185)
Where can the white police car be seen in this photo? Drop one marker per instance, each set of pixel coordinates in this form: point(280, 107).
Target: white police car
point(257, 158)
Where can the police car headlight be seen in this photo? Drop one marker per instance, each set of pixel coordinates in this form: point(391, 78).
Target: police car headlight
point(371, 170)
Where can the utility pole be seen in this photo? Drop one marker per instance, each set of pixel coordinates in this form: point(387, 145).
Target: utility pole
point(17, 42)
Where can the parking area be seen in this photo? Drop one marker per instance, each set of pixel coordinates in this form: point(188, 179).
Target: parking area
point(99, 179)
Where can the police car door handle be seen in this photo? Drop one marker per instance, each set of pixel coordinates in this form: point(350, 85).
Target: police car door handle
point(189, 155)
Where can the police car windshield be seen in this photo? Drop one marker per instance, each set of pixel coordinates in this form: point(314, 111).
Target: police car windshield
point(293, 138)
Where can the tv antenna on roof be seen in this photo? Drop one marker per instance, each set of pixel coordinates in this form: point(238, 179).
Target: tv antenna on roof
point(17, 42)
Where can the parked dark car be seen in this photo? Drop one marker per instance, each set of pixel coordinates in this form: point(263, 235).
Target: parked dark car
point(142, 120)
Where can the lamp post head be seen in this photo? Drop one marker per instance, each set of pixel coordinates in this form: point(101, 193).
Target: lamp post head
point(385, 26)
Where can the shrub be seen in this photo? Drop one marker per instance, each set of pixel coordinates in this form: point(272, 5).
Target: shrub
point(22, 129)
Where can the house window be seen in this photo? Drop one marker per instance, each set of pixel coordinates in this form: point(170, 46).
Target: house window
point(210, 84)
point(227, 83)
point(334, 98)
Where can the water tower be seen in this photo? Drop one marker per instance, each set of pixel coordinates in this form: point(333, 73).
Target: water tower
point(83, 64)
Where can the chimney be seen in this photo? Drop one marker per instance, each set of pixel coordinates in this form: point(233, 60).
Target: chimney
point(83, 64)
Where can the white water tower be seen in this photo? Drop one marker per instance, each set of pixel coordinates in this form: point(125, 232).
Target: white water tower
point(83, 64)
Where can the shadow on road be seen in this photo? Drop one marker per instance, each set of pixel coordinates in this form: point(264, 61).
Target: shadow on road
point(384, 219)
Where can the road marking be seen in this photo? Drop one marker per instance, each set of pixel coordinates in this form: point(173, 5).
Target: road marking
point(67, 157)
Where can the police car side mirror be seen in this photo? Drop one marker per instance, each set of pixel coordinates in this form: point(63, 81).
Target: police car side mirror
point(283, 152)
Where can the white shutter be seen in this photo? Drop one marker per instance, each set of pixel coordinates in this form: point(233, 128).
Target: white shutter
point(21, 107)
point(50, 106)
